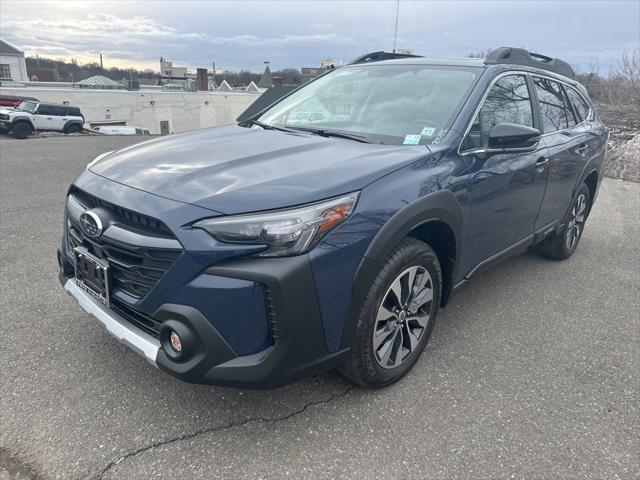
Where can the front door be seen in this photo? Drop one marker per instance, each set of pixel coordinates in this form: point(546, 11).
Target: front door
point(506, 190)
point(45, 118)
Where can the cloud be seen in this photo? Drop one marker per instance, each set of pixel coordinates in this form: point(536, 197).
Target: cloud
point(137, 38)
point(243, 34)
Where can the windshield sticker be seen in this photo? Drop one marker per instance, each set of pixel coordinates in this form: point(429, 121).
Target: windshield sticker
point(440, 136)
point(428, 131)
point(412, 139)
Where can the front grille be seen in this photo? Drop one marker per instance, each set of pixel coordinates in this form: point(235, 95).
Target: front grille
point(134, 269)
point(139, 319)
point(136, 221)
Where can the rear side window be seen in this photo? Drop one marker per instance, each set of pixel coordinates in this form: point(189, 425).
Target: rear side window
point(508, 101)
point(579, 104)
point(552, 105)
point(75, 111)
point(52, 110)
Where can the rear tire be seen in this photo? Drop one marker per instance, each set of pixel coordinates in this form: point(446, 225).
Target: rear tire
point(74, 128)
point(562, 244)
point(21, 130)
point(397, 317)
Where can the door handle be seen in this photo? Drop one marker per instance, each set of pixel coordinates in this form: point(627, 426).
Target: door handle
point(49, 118)
point(582, 149)
point(541, 163)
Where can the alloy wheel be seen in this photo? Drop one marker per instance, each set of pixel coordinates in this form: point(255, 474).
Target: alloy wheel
point(576, 221)
point(403, 317)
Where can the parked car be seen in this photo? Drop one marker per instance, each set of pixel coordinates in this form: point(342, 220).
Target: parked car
point(13, 101)
point(32, 116)
point(120, 130)
point(258, 253)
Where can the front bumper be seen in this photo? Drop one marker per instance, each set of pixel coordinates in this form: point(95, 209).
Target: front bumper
point(299, 348)
point(123, 331)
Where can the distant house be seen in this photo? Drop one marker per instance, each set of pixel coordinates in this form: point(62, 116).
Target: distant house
point(43, 74)
point(12, 63)
point(309, 73)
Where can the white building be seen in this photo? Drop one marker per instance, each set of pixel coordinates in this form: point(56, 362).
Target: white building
point(12, 62)
point(160, 112)
point(331, 63)
point(169, 72)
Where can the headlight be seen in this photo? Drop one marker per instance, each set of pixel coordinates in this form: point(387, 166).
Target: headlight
point(99, 157)
point(285, 232)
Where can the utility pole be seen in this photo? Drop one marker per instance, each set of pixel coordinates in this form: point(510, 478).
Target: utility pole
point(395, 36)
point(101, 68)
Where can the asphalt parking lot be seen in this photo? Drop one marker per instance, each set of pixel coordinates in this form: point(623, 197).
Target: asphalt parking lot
point(532, 371)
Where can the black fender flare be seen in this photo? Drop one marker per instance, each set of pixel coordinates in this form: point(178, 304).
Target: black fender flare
point(23, 120)
point(441, 206)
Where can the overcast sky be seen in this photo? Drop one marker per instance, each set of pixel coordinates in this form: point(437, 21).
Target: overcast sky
point(243, 34)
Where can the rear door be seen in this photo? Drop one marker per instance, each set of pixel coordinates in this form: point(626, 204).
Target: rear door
point(507, 188)
point(566, 136)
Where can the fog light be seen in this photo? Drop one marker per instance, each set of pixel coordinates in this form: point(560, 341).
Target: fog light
point(175, 342)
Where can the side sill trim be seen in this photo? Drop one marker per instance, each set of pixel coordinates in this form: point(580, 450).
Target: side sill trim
point(507, 252)
point(123, 331)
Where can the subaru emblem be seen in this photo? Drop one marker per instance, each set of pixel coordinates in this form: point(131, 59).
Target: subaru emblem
point(91, 224)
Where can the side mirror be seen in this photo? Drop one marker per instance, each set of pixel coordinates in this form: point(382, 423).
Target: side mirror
point(510, 136)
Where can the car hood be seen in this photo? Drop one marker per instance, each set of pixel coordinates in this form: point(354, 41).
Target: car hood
point(236, 170)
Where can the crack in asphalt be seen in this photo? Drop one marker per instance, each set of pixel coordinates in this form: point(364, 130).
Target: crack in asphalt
point(229, 426)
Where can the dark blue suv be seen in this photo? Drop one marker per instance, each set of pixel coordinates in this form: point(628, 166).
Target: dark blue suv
point(327, 230)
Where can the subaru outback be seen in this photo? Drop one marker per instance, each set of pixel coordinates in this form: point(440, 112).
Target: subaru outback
point(329, 229)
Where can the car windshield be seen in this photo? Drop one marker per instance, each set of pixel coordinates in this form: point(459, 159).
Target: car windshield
point(391, 104)
point(27, 106)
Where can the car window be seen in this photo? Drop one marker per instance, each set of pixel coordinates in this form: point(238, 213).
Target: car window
point(52, 110)
point(397, 104)
point(508, 101)
point(28, 106)
point(44, 110)
point(58, 111)
point(75, 111)
point(579, 104)
point(552, 105)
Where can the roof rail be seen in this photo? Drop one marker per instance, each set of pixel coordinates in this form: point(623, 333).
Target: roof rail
point(520, 56)
point(379, 56)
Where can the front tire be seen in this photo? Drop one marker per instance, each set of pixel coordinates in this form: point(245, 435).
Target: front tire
point(562, 244)
point(397, 317)
point(21, 130)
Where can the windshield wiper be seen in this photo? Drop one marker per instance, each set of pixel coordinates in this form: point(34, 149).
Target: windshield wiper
point(334, 133)
point(268, 126)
